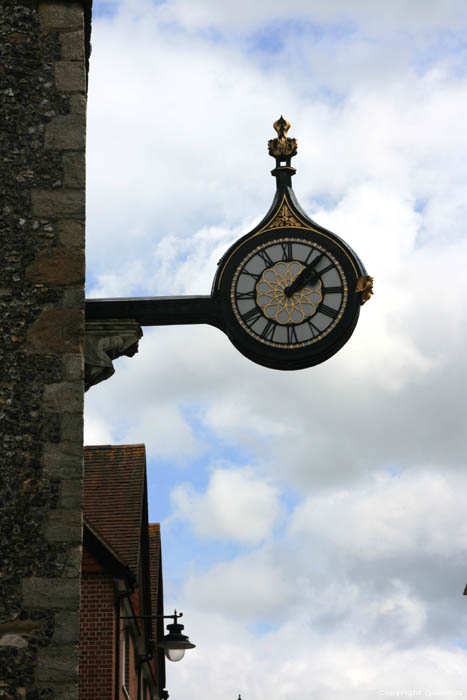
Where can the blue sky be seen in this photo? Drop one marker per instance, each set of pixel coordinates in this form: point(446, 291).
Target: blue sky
point(316, 518)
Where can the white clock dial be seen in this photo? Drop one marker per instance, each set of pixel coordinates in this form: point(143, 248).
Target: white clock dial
point(289, 292)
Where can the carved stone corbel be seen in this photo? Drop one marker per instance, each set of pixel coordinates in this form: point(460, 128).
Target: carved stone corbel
point(105, 341)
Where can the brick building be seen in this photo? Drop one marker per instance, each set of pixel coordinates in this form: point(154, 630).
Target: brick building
point(121, 580)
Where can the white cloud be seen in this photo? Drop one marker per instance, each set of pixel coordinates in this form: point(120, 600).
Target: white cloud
point(236, 505)
point(416, 16)
point(97, 431)
point(415, 513)
point(249, 587)
point(293, 660)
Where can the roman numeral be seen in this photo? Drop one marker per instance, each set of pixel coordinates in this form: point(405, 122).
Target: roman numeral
point(268, 331)
point(245, 295)
point(314, 330)
point(265, 257)
point(332, 290)
point(326, 269)
point(291, 335)
point(287, 252)
point(251, 274)
point(327, 311)
point(316, 260)
point(252, 315)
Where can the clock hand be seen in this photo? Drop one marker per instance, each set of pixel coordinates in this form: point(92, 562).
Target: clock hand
point(306, 276)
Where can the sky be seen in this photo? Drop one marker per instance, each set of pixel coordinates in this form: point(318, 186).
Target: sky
point(313, 522)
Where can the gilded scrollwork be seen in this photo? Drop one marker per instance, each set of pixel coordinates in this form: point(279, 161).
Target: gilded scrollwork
point(365, 287)
point(284, 218)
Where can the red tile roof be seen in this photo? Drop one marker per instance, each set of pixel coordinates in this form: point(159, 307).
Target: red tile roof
point(114, 481)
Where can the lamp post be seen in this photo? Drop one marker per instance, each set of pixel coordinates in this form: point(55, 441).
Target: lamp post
point(174, 643)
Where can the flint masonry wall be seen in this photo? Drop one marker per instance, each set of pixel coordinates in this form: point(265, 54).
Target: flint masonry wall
point(42, 199)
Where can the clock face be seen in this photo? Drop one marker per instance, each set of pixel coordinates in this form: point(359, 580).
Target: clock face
point(289, 292)
point(288, 296)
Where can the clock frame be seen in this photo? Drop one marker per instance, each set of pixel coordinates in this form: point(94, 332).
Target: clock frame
point(287, 227)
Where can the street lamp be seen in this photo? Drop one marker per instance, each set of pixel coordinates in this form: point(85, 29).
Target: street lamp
point(175, 643)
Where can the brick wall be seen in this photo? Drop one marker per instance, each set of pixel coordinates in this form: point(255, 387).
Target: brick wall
point(97, 637)
point(42, 199)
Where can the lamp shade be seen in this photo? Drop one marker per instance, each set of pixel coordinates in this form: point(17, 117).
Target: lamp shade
point(175, 643)
point(175, 654)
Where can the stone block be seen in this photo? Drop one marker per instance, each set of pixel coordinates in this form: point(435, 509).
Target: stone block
point(63, 692)
point(66, 628)
point(72, 45)
point(24, 627)
point(71, 233)
point(64, 526)
point(61, 461)
point(74, 169)
point(73, 564)
point(57, 331)
point(66, 132)
point(73, 297)
point(71, 494)
point(71, 427)
point(63, 397)
point(51, 593)
point(57, 664)
point(53, 266)
point(61, 15)
point(65, 450)
point(58, 203)
point(78, 105)
point(74, 367)
point(13, 640)
point(70, 76)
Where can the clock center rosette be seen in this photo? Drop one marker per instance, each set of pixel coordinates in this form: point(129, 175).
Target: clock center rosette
point(272, 300)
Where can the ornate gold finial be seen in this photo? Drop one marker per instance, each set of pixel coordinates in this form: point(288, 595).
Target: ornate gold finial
point(282, 147)
point(281, 126)
point(365, 286)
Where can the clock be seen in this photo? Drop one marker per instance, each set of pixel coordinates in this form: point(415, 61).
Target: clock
point(289, 291)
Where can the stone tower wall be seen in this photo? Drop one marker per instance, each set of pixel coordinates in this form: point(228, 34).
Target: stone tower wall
point(42, 136)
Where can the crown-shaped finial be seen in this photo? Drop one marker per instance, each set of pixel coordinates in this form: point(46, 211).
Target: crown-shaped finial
point(281, 126)
point(282, 148)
